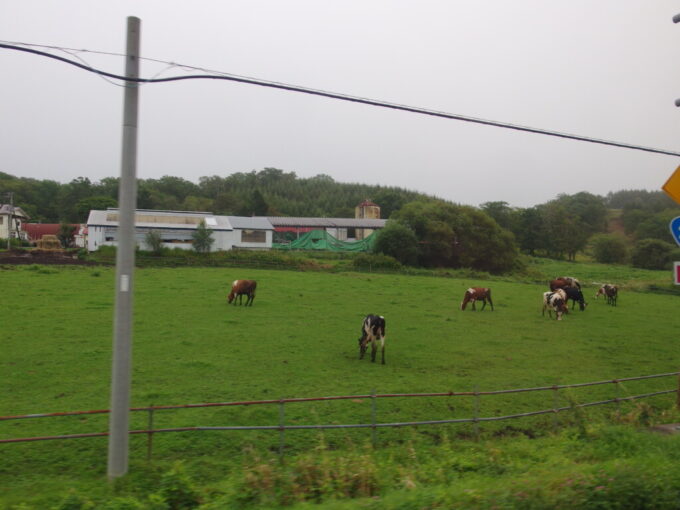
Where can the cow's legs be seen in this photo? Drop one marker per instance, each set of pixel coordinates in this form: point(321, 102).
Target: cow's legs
point(374, 350)
point(382, 349)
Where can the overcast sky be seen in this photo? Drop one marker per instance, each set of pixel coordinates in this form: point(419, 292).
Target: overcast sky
point(606, 69)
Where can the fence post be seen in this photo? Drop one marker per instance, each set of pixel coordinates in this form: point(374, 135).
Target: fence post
point(149, 444)
point(556, 404)
point(374, 431)
point(617, 396)
point(282, 428)
point(677, 403)
point(476, 417)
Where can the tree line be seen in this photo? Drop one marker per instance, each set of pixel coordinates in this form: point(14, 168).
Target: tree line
point(426, 231)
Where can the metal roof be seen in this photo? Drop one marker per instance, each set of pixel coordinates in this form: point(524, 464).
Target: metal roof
point(18, 211)
point(285, 221)
point(250, 222)
point(180, 220)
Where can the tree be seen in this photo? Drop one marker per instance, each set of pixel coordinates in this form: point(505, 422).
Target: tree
point(154, 241)
point(398, 241)
point(609, 248)
point(65, 235)
point(97, 203)
point(202, 237)
point(458, 236)
point(652, 254)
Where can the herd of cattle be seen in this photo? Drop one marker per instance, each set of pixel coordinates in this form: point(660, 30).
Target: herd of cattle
point(562, 290)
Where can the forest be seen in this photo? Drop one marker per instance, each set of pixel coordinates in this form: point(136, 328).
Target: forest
point(628, 226)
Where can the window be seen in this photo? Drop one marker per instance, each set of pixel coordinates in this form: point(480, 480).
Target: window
point(253, 236)
point(2, 220)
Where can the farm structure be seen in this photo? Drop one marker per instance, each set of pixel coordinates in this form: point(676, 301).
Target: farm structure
point(342, 229)
point(177, 227)
point(11, 220)
point(36, 231)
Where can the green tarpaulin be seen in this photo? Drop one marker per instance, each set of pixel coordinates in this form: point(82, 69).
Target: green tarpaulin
point(322, 240)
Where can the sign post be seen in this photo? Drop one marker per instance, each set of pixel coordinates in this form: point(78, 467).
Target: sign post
point(676, 273)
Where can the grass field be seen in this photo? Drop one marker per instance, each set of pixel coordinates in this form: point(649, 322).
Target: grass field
point(300, 340)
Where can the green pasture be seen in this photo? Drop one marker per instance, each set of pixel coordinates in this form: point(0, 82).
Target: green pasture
point(300, 340)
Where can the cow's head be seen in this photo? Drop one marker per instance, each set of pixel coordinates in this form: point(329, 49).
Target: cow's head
point(231, 297)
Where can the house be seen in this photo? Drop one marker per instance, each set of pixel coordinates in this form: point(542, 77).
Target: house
point(11, 220)
point(177, 227)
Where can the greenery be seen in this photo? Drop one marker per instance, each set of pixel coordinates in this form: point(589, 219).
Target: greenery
point(65, 235)
point(609, 248)
point(154, 241)
point(196, 349)
point(202, 238)
point(652, 254)
point(399, 241)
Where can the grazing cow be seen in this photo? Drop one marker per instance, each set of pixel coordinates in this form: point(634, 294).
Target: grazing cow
point(555, 301)
point(372, 332)
point(576, 296)
point(563, 282)
point(610, 292)
point(242, 288)
point(475, 293)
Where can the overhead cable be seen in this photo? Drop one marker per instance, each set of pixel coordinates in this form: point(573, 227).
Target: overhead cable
point(341, 97)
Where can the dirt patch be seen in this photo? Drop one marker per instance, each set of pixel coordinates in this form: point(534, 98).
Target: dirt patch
point(45, 257)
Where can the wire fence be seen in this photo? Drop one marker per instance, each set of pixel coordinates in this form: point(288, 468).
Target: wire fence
point(282, 426)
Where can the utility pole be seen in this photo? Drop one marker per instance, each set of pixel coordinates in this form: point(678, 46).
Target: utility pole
point(119, 422)
point(10, 196)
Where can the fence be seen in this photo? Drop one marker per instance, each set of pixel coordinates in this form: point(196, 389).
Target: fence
point(282, 427)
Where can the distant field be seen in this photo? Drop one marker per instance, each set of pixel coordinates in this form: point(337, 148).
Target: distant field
point(300, 340)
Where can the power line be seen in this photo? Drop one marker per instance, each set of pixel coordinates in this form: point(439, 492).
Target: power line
point(217, 75)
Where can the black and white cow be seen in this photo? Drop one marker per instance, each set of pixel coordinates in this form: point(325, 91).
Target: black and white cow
point(372, 332)
point(576, 296)
point(557, 301)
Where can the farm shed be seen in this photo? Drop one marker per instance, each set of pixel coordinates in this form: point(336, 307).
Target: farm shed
point(343, 229)
point(176, 229)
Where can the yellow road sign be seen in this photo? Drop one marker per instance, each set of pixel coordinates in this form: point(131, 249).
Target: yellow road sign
point(672, 186)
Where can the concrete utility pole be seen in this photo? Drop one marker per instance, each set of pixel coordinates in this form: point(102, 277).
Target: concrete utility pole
point(119, 422)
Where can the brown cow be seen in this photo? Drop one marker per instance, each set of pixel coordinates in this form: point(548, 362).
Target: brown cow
point(240, 288)
point(563, 282)
point(610, 292)
point(475, 293)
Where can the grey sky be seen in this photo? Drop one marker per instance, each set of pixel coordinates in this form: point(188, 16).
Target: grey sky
point(601, 68)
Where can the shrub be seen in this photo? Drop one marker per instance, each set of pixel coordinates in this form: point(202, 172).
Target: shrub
point(609, 248)
point(376, 261)
point(652, 254)
point(398, 241)
point(154, 241)
point(177, 489)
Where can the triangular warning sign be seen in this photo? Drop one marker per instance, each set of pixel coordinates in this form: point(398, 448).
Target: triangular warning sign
point(672, 186)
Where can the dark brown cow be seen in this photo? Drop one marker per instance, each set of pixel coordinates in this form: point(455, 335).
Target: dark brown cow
point(563, 282)
point(242, 288)
point(475, 293)
point(610, 292)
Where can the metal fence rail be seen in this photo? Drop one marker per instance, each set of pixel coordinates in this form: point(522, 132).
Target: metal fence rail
point(282, 427)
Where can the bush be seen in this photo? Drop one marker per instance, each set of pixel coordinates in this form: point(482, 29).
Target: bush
point(376, 261)
point(609, 248)
point(652, 254)
point(154, 241)
point(398, 241)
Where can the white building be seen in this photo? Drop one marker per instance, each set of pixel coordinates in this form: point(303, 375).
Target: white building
point(11, 219)
point(176, 229)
